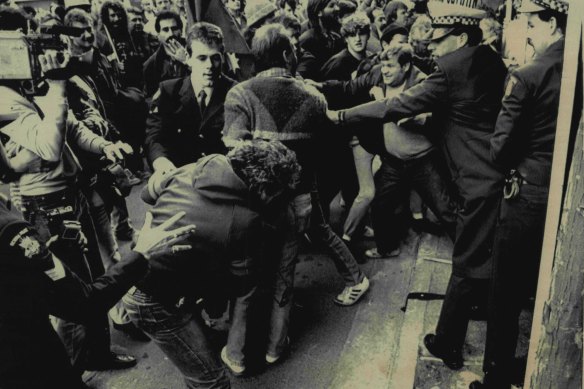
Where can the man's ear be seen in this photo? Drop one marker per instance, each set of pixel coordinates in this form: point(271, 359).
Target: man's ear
point(462, 39)
point(407, 67)
point(553, 22)
point(286, 55)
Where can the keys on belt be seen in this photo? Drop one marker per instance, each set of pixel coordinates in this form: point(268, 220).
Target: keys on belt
point(513, 184)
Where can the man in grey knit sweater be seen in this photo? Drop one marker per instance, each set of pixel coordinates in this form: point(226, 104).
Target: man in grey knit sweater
point(274, 105)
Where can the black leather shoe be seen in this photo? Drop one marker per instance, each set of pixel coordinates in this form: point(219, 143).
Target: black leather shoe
point(132, 331)
point(112, 361)
point(451, 358)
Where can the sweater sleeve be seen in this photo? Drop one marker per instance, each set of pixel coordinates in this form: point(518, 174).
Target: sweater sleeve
point(238, 124)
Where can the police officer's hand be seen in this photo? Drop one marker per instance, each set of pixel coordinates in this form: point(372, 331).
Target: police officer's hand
point(114, 151)
point(333, 116)
point(153, 242)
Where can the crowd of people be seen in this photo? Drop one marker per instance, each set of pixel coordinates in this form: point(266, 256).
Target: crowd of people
point(418, 113)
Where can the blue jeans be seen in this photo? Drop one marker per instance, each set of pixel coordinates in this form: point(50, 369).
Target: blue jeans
point(179, 334)
point(297, 221)
point(322, 233)
point(238, 330)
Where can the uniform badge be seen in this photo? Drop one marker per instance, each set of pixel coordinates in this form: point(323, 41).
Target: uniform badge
point(30, 246)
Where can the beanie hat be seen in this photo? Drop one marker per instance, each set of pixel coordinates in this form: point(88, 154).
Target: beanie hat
point(257, 10)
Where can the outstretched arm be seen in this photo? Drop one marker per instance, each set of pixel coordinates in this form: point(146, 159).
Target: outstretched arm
point(427, 96)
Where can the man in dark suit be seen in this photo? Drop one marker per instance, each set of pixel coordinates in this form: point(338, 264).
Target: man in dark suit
point(186, 117)
point(464, 95)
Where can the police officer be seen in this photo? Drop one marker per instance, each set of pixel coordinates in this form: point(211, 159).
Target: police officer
point(34, 283)
point(464, 95)
point(523, 143)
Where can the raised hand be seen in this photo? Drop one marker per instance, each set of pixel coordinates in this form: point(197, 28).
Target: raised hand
point(153, 242)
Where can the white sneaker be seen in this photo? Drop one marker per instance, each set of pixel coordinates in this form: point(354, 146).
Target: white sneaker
point(235, 367)
point(271, 359)
point(375, 254)
point(351, 294)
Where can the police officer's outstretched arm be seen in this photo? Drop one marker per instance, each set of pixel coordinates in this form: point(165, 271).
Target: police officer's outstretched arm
point(67, 295)
point(427, 96)
point(105, 291)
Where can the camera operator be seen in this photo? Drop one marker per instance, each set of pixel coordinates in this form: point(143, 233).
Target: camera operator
point(37, 142)
point(35, 283)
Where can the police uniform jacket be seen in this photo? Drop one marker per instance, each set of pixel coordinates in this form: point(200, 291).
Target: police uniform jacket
point(526, 126)
point(464, 96)
point(178, 130)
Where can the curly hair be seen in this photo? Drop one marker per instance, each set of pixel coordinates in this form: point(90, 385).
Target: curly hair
point(356, 23)
point(117, 7)
point(268, 168)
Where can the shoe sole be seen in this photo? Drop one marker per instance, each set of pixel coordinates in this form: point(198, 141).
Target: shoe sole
point(390, 255)
point(225, 362)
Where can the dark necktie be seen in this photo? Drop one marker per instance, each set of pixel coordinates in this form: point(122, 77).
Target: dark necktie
point(203, 100)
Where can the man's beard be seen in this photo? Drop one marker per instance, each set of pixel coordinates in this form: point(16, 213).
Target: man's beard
point(115, 29)
point(330, 23)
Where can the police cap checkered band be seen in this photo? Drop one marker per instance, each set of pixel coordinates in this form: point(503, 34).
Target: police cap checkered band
point(455, 13)
point(555, 5)
point(455, 20)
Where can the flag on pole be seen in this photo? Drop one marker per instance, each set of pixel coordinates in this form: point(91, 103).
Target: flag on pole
point(214, 11)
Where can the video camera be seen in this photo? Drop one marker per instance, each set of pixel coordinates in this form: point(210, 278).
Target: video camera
point(19, 54)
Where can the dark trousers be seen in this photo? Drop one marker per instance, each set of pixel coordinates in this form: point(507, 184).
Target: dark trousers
point(47, 214)
point(337, 173)
point(461, 294)
point(390, 207)
point(516, 258)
